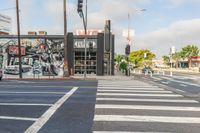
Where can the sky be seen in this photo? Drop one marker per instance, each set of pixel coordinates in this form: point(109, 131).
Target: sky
point(165, 23)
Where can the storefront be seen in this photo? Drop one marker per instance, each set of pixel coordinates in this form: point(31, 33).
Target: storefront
point(44, 54)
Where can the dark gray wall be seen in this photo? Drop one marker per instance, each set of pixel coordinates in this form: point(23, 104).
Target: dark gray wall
point(70, 51)
point(100, 54)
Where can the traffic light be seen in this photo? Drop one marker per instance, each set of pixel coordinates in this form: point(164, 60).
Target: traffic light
point(127, 49)
point(80, 7)
point(90, 46)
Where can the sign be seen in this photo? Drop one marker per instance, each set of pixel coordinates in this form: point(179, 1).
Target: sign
point(89, 32)
point(13, 50)
point(5, 24)
point(32, 33)
point(79, 43)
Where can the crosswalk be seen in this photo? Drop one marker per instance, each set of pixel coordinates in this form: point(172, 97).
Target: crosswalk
point(137, 107)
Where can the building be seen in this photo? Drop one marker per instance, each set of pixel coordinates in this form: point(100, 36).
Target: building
point(5, 25)
point(45, 53)
point(194, 61)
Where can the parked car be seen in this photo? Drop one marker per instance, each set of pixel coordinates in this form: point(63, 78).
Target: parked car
point(147, 70)
point(1, 74)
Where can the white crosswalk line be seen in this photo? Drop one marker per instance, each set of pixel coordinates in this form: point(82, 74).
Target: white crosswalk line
point(108, 108)
point(135, 118)
point(130, 88)
point(134, 91)
point(146, 107)
point(146, 100)
point(139, 95)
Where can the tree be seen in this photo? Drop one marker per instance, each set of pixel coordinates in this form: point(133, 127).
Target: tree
point(137, 57)
point(166, 59)
point(188, 51)
point(177, 57)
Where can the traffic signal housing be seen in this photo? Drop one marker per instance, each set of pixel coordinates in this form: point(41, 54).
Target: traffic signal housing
point(80, 7)
point(127, 49)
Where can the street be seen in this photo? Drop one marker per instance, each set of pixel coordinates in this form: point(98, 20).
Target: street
point(137, 103)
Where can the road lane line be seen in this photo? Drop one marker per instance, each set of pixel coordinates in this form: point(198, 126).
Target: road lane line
point(146, 107)
point(165, 82)
point(146, 95)
point(136, 118)
point(24, 104)
point(183, 85)
point(18, 118)
point(36, 126)
point(130, 88)
point(131, 91)
point(146, 100)
point(125, 132)
point(29, 92)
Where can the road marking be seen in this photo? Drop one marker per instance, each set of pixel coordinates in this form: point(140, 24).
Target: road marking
point(121, 85)
point(183, 85)
point(180, 90)
point(165, 82)
point(131, 88)
point(147, 100)
point(130, 91)
point(146, 107)
point(125, 132)
point(157, 79)
point(18, 118)
point(36, 86)
point(36, 126)
point(24, 104)
point(136, 118)
point(183, 82)
point(146, 95)
point(26, 92)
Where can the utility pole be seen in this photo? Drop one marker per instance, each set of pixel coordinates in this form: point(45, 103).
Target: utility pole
point(19, 41)
point(65, 70)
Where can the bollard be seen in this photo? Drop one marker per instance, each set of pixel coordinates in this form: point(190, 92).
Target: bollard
point(151, 74)
point(171, 73)
point(158, 72)
point(163, 73)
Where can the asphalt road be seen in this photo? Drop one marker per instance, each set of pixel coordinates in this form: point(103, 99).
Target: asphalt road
point(47, 106)
point(183, 82)
point(138, 104)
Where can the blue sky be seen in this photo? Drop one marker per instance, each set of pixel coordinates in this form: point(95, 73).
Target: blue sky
point(163, 24)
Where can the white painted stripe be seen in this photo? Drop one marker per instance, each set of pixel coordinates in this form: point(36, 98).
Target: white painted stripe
point(24, 104)
point(180, 90)
point(125, 132)
point(165, 82)
point(130, 88)
point(183, 82)
point(121, 85)
point(36, 126)
point(147, 100)
point(183, 85)
point(18, 118)
point(130, 91)
point(29, 92)
point(156, 78)
point(146, 95)
point(146, 107)
point(136, 118)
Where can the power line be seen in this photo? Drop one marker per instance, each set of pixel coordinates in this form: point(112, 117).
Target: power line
point(5, 9)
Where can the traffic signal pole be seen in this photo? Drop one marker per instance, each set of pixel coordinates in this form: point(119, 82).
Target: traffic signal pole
point(19, 40)
point(81, 14)
point(65, 67)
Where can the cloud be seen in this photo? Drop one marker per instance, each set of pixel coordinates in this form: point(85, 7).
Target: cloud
point(177, 34)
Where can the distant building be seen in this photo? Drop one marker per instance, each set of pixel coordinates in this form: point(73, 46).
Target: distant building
point(194, 61)
point(5, 25)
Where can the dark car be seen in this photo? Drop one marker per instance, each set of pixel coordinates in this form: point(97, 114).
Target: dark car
point(1, 74)
point(147, 70)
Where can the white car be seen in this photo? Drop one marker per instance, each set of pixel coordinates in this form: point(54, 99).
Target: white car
point(1, 74)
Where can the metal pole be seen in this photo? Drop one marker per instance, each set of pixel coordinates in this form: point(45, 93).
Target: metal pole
point(19, 41)
point(85, 41)
point(66, 72)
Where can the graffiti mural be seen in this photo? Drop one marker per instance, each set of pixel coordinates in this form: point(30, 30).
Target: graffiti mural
point(39, 56)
